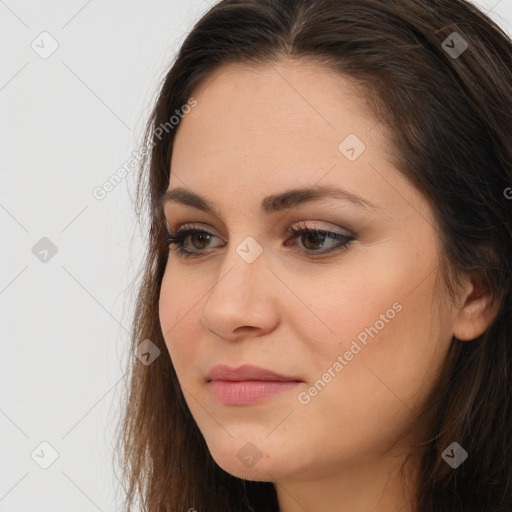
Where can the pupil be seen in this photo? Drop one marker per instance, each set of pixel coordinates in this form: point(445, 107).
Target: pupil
point(315, 237)
point(203, 238)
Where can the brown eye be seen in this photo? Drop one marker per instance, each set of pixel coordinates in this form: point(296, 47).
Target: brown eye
point(199, 240)
point(313, 239)
point(203, 238)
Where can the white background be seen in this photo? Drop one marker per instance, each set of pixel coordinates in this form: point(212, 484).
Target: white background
point(68, 122)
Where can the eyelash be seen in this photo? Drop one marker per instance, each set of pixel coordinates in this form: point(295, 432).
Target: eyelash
point(179, 238)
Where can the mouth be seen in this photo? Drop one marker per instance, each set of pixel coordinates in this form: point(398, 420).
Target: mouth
point(247, 385)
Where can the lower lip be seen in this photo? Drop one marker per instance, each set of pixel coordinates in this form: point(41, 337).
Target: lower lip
point(247, 392)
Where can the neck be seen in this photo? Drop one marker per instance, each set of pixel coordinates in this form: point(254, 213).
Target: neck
point(374, 486)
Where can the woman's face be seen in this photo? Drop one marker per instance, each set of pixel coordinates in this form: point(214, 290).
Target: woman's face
point(355, 327)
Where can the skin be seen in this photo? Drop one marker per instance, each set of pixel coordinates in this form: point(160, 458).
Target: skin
point(258, 131)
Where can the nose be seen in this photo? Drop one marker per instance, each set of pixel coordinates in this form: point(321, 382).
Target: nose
point(243, 300)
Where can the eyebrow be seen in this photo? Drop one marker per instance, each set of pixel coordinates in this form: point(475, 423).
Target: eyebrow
point(270, 204)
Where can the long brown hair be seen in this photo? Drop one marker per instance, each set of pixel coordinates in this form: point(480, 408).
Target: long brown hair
point(447, 104)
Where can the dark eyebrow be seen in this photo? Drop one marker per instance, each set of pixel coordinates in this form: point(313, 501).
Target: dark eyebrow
point(270, 204)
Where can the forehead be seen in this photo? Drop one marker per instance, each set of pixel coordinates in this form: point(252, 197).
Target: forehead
point(275, 117)
point(270, 96)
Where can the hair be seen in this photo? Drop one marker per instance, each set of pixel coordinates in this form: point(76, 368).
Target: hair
point(450, 128)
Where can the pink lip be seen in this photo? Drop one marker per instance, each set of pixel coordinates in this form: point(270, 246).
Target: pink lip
point(245, 372)
point(246, 384)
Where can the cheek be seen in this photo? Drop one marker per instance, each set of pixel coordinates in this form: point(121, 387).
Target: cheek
point(388, 335)
point(365, 402)
point(179, 307)
point(360, 305)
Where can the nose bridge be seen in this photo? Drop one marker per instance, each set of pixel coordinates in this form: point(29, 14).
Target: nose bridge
point(244, 265)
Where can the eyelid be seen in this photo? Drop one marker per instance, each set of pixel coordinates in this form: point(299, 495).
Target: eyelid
point(308, 225)
point(191, 225)
point(313, 225)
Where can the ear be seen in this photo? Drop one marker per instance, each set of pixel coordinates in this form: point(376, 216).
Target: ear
point(478, 312)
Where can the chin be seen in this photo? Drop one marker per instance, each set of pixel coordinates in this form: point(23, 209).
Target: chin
point(246, 461)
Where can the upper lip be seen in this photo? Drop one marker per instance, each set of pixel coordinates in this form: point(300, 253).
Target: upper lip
point(245, 372)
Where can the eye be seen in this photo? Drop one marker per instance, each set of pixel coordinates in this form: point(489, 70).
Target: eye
point(312, 239)
point(203, 237)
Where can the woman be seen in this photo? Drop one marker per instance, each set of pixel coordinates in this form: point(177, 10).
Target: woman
point(325, 317)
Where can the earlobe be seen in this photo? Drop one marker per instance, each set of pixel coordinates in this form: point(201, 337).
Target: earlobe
point(477, 313)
